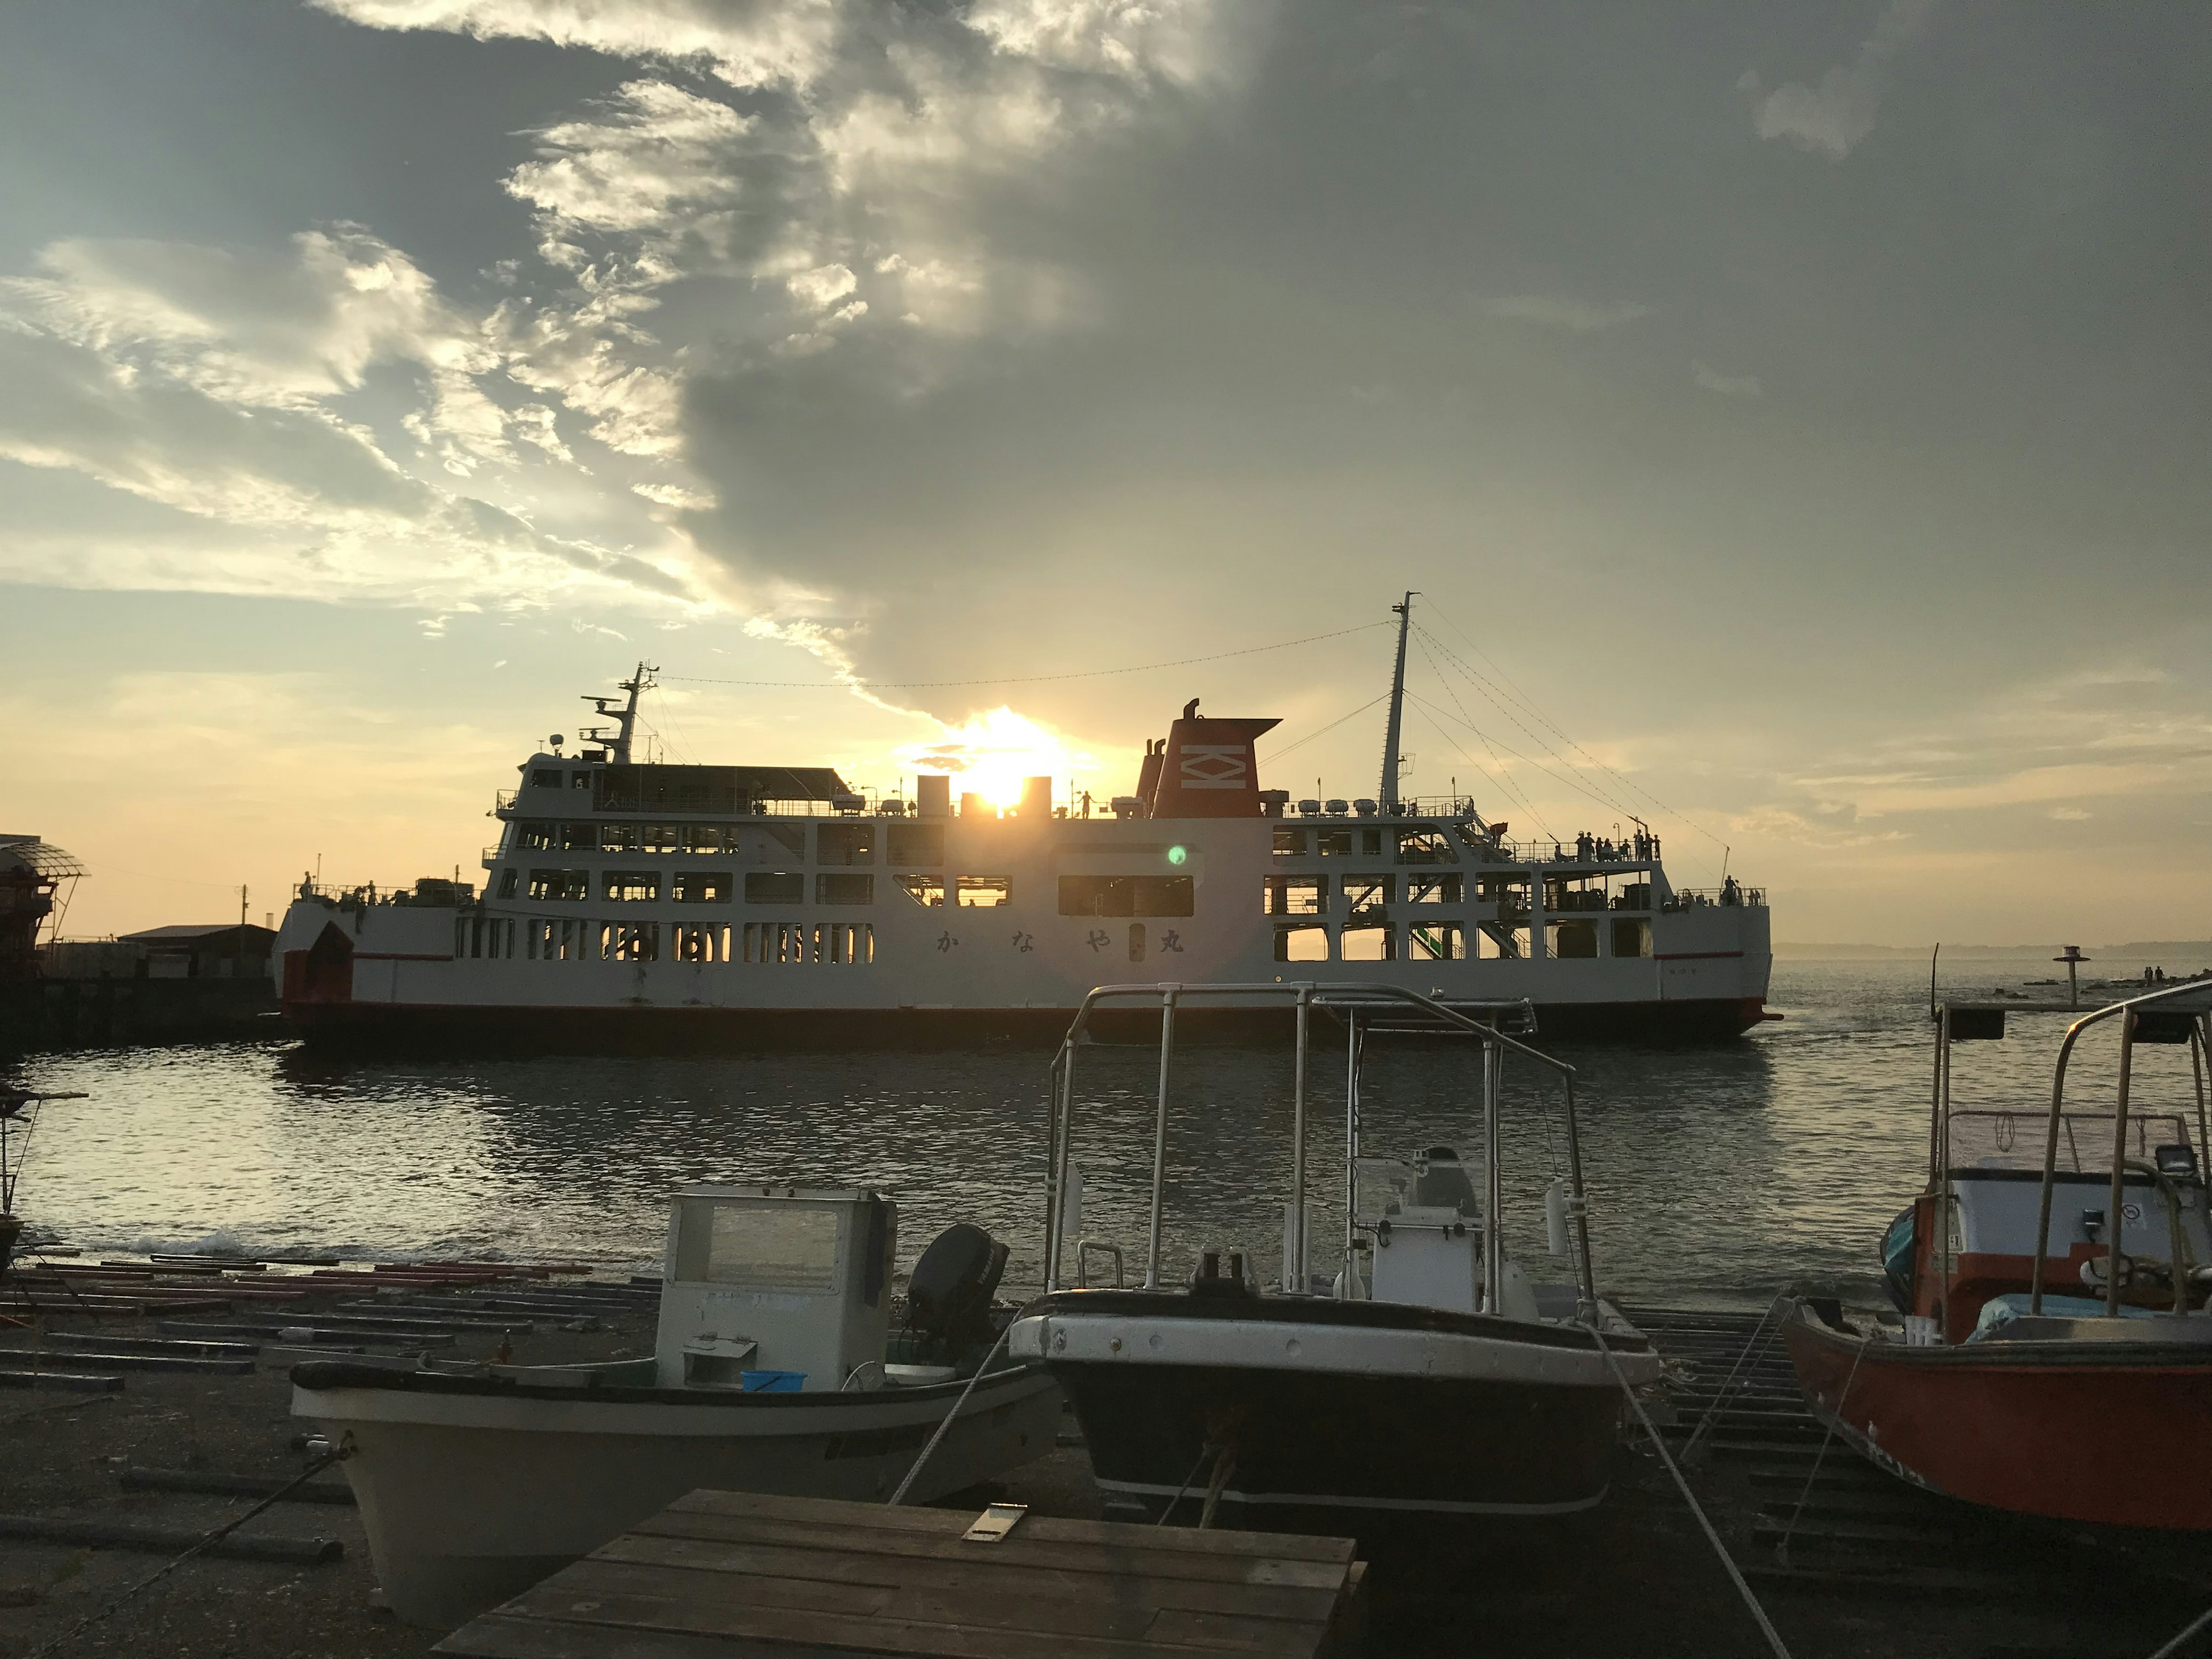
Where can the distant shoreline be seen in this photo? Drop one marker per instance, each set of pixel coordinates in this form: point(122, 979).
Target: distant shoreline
point(2113, 957)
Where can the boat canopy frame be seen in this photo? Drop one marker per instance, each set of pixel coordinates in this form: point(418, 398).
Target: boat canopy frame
point(2198, 1036)
point(1363, 1009)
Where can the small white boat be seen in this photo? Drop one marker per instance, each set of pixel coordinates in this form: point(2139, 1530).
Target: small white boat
point(769, 1374)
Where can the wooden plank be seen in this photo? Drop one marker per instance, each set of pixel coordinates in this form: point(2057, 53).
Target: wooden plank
point(841, 1513)
point(977, 1572)
point(504, 1636)
point(1155, 1559)
point(876, 1635)
point(1132, 1616)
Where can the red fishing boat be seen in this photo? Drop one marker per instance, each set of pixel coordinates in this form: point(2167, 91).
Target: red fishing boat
point(2008, 1386)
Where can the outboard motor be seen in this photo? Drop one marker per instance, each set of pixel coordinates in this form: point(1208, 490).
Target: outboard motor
point(948, 1299)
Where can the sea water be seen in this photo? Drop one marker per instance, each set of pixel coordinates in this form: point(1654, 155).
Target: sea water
point(1716, 1174)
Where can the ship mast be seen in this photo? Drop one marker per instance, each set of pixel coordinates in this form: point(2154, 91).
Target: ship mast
point(625, 717)
point(1391, 734)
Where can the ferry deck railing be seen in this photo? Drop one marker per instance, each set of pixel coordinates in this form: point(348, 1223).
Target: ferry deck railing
point(1351, 1001)
point(2185, 1014)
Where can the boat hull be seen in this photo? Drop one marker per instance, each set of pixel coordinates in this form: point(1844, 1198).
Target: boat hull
point(470, 1492)
point(1340, 1417)
point(437, 1028)
point(2115, 1433)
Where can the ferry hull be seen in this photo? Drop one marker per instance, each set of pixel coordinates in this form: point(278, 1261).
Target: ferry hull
point(386, 1027)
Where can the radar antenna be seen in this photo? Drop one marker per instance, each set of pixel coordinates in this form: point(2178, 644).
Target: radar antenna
point(625, 718)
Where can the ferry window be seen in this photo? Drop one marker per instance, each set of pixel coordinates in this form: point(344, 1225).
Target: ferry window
point(630, 886)
point(1631, 938)
point(1333, 843)
point(507, 881)
point(853, 942)
point(580, 837)
point(922, 889)
point(1297, 896)
point(844, 843)
point(844, 889)
point(1367, 895)
point(1636, 896)
point(1501, 944)
point(630, 941)
point(707, 838)
point(791, 837)
point(695, 944)
point(573, 934)
point(660, 838)
point(1300, 941)
point(986, 891)
point(561, 884)
point(537, 837)
point(1424, 847)
point(915, 843)
point(1126, 895)
point(1436, 941)
point(1367, 944)
point(1573, 938)
point(1370, 843)
point(546, 777)
point(617, 837)
point(776, 941)
point(775, 887)
point(1433, 890)
point(1290, 843)
point(702, 887)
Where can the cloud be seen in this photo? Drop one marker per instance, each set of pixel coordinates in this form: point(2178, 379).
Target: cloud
point(1833, 118)
point(233, 387)
point(1551, 310)
point(1728, 386)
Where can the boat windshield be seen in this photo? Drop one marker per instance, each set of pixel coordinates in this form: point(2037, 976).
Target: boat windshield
point(2014, 1140)
point(1422, 1189)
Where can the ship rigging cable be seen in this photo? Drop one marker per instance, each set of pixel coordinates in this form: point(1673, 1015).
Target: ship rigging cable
point(1030, 680)
point(1497, 768)
point(1519, 699)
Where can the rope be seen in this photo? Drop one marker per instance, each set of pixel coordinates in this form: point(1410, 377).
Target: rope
point(1782, 1549)
point(1758, 1612)
point(1183, 1491)
point(899, 1497)
point(1712, 1411)
point(337, 1454)
point(2196, 1627)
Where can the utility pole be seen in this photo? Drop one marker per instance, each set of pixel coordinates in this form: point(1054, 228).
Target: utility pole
point(1392, 732)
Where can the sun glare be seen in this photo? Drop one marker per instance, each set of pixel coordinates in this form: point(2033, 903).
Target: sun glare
point(991, 754)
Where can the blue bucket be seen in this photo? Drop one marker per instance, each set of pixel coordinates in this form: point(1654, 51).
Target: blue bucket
point(773, 1382)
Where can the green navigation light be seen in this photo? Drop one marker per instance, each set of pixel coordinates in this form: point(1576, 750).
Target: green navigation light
point(1176, 854)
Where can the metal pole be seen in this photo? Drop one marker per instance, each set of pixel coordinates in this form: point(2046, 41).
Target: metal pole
point(1936, 1107)
point(1294, 1270)
point(2119, 1168)
point(2050, 1164)
point(2203, 1130)
point(1582, 1207)
point(1350, 1152)
point(1493, 1280)
point(1063, 1112)
point(1160, 1138)
point(1943, 1191)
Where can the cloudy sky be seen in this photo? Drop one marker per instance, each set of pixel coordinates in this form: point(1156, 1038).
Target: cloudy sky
point(1796, 417)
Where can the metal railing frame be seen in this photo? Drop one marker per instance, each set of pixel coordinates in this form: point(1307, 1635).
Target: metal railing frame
point(2126, 1012)
point(1351, 1000)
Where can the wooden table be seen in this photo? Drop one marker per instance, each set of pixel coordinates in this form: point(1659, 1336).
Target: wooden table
point(722, 1574)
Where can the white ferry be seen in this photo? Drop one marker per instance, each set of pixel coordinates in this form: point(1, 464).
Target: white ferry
point(649, 907)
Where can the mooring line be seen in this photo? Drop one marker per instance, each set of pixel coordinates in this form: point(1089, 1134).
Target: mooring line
point(899, 1497)
point(2196, 1627)
point(1712, 1410)
point(336, 1454)
point(1736, 1575)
